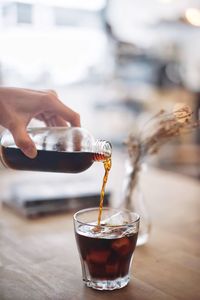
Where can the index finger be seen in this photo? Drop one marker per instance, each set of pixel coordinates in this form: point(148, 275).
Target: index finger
point(68, 114)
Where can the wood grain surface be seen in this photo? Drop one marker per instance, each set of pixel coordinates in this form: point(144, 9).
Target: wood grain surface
point(39, 259)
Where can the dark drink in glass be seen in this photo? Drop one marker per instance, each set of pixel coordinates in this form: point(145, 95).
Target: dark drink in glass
point(106, 251)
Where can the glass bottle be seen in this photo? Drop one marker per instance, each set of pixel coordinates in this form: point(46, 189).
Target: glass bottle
point(59, 149)
point(133, 200)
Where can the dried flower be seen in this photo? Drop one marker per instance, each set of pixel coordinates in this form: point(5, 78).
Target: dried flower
point(182, 112)
point(160, 129)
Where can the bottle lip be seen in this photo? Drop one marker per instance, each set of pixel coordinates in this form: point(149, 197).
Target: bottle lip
point(104, 147)
point(108, 145)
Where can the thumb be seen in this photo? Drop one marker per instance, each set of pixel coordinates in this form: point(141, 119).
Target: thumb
point(23, 141)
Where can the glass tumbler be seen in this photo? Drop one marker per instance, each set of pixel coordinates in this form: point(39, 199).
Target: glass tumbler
point(106, 250)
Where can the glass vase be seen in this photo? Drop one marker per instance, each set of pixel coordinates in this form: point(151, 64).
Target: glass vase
point(133, 199)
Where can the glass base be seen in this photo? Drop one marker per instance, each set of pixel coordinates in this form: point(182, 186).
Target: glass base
point(108, 285)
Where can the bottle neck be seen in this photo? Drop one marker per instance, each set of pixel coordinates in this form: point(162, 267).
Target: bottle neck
point(102, 150)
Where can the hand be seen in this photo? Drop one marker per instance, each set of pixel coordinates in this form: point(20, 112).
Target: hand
point(18, 106)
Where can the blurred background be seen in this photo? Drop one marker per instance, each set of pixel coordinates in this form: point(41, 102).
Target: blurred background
point(115, 62)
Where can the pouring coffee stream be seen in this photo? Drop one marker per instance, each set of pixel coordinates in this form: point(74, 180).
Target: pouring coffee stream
point(107, 166)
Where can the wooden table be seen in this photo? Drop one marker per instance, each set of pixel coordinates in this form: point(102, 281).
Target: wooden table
point(39, 260)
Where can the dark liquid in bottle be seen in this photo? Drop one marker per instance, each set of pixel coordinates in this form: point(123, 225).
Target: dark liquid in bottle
point(106, 259)
point(50, 161)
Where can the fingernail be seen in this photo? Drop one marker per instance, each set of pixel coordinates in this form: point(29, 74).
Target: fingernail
point(31, 151)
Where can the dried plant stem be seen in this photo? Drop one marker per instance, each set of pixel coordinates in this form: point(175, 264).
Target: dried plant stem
point(166, 126)
point(132, 179)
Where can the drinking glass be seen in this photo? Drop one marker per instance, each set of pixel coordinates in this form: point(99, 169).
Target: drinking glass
point(106, 250)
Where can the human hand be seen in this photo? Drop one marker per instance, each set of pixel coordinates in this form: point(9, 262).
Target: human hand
point(18, 106)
